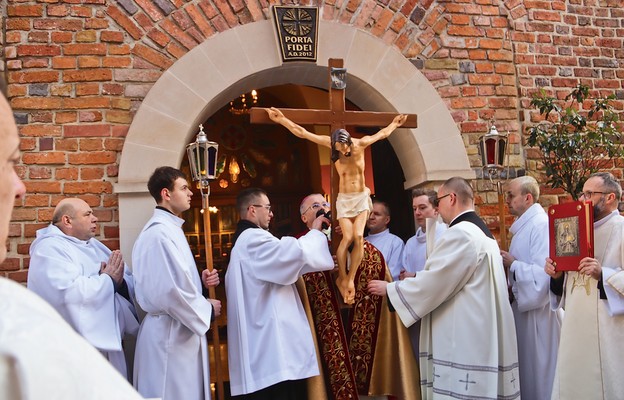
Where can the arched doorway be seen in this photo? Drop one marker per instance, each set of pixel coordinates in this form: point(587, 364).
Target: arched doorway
point(206, 78)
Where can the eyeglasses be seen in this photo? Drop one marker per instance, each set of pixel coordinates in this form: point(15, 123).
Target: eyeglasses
point(436, 201)
point(588, 194)
point(267, 206)
point(316, 206)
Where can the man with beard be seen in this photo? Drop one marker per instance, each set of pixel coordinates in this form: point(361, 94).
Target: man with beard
point(591, 355)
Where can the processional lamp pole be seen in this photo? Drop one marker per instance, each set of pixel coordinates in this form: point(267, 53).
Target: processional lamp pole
point(493, 148)
point(202, 155)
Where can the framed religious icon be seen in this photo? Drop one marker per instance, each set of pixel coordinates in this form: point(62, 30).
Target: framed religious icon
point(571, 234)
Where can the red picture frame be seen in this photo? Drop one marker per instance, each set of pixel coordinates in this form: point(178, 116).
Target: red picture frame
point(571, 233)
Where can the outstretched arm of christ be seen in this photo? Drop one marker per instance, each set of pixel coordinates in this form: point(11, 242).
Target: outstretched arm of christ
point(397, 122)
point(278, 117)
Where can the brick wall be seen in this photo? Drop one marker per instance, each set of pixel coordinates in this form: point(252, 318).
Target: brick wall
point(79, 69)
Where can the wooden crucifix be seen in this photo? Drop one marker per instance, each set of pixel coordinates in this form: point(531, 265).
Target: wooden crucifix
point(348, 157)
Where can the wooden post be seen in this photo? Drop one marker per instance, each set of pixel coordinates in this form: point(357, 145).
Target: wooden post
point(211, 293)
point(501, 216)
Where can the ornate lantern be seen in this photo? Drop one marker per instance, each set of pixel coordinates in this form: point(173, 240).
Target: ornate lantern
point(493, 148)
point(202, 155)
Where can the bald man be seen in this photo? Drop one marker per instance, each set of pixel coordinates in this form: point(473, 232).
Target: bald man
point(41, 356)
point(87, 283)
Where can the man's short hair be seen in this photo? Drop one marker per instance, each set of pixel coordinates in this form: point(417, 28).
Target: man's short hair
point(528, 184)
point(431, 194)
point(303, 209)
point(247, 197)
point(610, 183)
point(385, 206)
point(461, 188)
point(163, 177)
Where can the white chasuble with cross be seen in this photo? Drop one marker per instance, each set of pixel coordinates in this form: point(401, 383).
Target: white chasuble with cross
point(468, 341)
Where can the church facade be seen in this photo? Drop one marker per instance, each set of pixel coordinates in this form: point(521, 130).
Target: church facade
point(105, 91)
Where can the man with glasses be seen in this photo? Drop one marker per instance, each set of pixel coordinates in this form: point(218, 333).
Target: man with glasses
point(591, 355)
point(468, 339)
point(270, 347)
point(537, 326)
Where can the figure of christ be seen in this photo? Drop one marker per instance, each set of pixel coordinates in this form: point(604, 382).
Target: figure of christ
point(353, 203)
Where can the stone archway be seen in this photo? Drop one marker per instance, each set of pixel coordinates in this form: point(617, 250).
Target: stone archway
point(247, 57)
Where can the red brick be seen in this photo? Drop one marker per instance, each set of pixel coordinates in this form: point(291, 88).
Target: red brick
point(64, 62)
point(95, 157)
point(18, 276)
point(199, 20)
point(112, 36)
point(118, 50)
point(126, 23)
point(23, 248)
point(82, 11)
point(91, 174)
point(151, 56)
point(150, 8)
point(465, 31)
point(88, 187)
point(41, 187)
point(36, 200)
point(57, 10)
point(86, 102)
point(82, 49)
point(67, 174)
point(470, 102)
point(38, 37)
point(31, 229)
point(87, 89)
point(61, 37)
point(10, 264)
point(65, 117)
point(84, 130)
point(44, 158)
point(33, 77)
point(90, 116)
point(178, 34)
point(116, 62)
point(88, 62)
point(73, 25)
point(25, 11)
point(40, 130)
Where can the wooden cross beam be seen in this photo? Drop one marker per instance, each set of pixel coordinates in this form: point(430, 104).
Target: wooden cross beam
point(337, 117)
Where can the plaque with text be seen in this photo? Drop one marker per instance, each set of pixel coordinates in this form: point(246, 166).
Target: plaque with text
point(297, 31)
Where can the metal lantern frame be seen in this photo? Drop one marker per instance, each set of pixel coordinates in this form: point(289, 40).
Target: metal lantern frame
point(494, 148)
point(202, 155)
